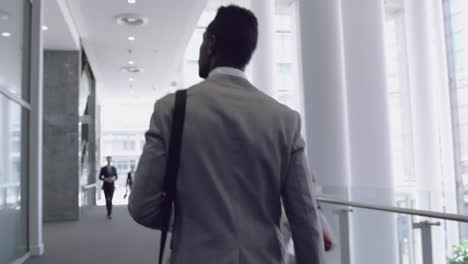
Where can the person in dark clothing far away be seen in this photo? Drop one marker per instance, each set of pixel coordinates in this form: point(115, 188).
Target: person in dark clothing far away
point(108, 175)
point(129, 183)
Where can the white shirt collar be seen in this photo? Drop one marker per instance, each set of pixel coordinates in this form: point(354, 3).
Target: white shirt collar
point(228, 71)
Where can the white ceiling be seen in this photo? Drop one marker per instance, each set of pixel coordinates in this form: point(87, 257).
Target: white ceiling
point(62, 34)
point(158, 48)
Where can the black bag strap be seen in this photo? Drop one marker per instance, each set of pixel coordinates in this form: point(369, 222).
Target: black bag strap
point(172, 166)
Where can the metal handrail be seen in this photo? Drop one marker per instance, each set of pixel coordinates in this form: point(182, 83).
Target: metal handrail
point(5, 186)
point(392, 209)
point(89, 186)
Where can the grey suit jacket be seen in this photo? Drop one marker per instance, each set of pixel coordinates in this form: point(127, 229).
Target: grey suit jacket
point(242, 153)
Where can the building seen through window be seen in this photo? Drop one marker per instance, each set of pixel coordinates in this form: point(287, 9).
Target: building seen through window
point(456, 19)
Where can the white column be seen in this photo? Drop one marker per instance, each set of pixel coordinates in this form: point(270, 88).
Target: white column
point(374, 238)
point(323, 82)
point(431, 117)
point(36, 244)
point(262, 65)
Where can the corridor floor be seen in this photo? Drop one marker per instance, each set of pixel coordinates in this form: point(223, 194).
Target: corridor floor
point(94, 239)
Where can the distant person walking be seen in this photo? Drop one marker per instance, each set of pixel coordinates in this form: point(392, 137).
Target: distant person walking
point(130, 177)
point(108, 175)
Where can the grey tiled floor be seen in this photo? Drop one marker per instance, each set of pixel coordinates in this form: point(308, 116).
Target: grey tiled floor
point(94, 239)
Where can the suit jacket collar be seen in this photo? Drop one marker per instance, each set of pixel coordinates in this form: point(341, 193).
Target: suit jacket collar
point(228, 71)
point(235, 80)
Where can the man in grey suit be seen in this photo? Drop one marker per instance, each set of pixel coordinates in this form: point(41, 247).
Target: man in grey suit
point(242, 154)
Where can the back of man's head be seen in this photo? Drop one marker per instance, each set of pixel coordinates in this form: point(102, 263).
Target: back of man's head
point(236, 32)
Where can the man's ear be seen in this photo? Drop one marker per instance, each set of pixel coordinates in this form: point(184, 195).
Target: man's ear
point(211, 45)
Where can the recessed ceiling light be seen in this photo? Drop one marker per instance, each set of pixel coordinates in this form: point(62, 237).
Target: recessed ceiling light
point(45, 28)
point(133, 20)
point(131, 1)
point(6, 34)
point(131, 79)
point(131, 62)
point(131, 69)
point(131, 38)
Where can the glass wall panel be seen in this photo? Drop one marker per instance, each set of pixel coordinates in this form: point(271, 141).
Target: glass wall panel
point(15, 22)
point(87, 111)
point(13, 180)
point(456, 21)
point(85, 92)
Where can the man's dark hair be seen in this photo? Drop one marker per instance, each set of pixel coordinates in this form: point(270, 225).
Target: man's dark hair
point(236, 32)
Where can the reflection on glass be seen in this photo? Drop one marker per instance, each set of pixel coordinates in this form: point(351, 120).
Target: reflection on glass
point(13, 171)
point(14, 47)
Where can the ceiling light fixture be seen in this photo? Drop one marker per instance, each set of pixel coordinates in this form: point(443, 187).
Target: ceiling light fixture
point(6, 34)
point(131, 79)
point(45, 28)
point(132, 20)
point(131, 1)
point(131, 38)
point(131, 69)
point(131, 62)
